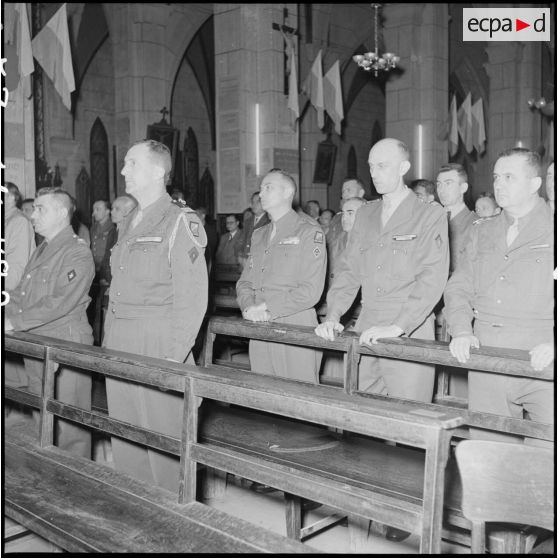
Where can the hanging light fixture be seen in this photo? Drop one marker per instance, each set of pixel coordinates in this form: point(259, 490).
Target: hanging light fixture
point(372, 60)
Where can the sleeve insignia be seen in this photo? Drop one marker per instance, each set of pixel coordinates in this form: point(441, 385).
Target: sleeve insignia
point(193, 253)
point(438, 241)
point(194, 227)
point(72, 275)
point(317, 252)
point(319, 237)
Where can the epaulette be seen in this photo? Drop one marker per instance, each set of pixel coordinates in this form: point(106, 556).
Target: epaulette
point(308, 219)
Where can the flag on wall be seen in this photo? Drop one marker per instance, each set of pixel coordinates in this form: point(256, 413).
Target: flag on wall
point(453, 138)
point(333, 96)
point(19, 63)
point(51, 48)
point(465, 123)
point(93, 30)
point(479, 135)
point(313, 86)
point(292, 103)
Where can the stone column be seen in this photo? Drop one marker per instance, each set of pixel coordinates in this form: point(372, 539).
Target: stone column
point(418, 96)
point(514, 70)
point(249, 83)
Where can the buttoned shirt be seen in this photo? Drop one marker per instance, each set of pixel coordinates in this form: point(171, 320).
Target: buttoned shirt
point(501, 284)
point(402, 266)
point(286, 272)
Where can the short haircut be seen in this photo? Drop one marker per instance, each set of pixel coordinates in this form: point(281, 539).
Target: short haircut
point(128, 201)
point(255, 195)
point(532, 158)
point(316, 202)
point(327, 211)
point(354, 179)
point(486, 195)
point(428, 185)
point(105, 202)
point(28, 200)
point(286, 177)
point(159, 153)
point(361, 201)
point(233, 215)
point(458, 168)
point(14, 190)
point(403, 149)
point(61, 197)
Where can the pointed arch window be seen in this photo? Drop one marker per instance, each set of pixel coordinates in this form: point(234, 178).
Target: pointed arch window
point(99, 161)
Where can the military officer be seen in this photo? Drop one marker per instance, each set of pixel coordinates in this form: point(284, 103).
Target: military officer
point(283, 279)
point(504, 285)
point(157, 301)
point(51, 299)
point(398, 252)
point(351, 188)
point(103, 232)
point(451, 185)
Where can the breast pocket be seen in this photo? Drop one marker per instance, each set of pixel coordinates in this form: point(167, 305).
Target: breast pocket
point(532, 270)
point(148, 261)
point(402, 264)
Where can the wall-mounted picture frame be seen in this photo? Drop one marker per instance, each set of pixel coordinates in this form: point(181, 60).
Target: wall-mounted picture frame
point(166, 134)
point(325, 162)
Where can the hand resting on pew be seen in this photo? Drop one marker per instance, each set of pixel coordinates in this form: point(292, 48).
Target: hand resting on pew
point(257, 313)
point(541, 356)
point(372, 334)
point(460, 346)
point(328, 329)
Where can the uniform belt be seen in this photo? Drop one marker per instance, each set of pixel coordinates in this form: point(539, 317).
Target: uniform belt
point(140, 311)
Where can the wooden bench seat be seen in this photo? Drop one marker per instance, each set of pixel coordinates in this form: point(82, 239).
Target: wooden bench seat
point(82, 506)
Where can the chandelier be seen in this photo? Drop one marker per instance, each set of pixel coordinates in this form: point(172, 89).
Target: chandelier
point(372, 60)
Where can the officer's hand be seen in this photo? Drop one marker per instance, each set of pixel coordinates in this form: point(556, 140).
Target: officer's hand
point(541, 356)
point(256, 313)
point(328, 329)
point(8, 325)
point(374, 333)
point(460, 346)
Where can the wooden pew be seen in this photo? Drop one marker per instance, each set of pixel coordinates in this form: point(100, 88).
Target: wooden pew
point(83, 506)
point(226, 276)
point(376, 494)
point(488, 359)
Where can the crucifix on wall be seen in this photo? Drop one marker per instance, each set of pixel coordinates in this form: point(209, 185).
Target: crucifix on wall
point(289, 34)
point(162, 131)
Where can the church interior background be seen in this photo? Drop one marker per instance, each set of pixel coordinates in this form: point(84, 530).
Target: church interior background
point(213, 81)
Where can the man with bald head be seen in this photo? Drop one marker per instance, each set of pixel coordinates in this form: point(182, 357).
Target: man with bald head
point(283, 279)
point(398, 252)
point(351, 188)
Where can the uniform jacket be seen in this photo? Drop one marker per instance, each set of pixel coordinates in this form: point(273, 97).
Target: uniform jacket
point(229, 248)
point(158, 292)
point(402, 267)
point(20, 243)
point(52, 296)
point(288, 272)
point(459, 230)
point(247, 231)
point(500, 284)
point(103, 237)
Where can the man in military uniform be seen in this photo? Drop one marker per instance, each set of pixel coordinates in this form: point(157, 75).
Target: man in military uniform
point(351, 188)
point(398, 252)
point(258, 219)
point(504, 285)
point(157, 301)
point(283, 279)
point(51, 299)
point(451, 185)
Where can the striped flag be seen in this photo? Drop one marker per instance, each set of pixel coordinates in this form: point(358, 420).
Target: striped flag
point(453, 139)
point(465, 123)
point(313, 86)
point(333, 96)
point(19, 63)
point(479, 135)
point(51, 48)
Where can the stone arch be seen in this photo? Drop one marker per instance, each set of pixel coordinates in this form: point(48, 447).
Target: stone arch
point(99, 162)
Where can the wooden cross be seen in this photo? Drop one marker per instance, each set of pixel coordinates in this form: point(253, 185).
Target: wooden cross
point(164, 112)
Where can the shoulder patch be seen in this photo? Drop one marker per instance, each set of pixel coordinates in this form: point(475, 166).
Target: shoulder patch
point(319, 237)
point(194, 227)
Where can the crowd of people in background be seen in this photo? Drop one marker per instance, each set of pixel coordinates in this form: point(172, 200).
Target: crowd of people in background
point(405, 251)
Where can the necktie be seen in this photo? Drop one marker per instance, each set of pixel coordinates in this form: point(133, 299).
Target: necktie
point(137, 218)
point(40, 249)
point(273, 231)
point(386, 211)
point(513, 231)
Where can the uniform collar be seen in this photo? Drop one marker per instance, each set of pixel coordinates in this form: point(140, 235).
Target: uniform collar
point(150, 214)
point(536, 213)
